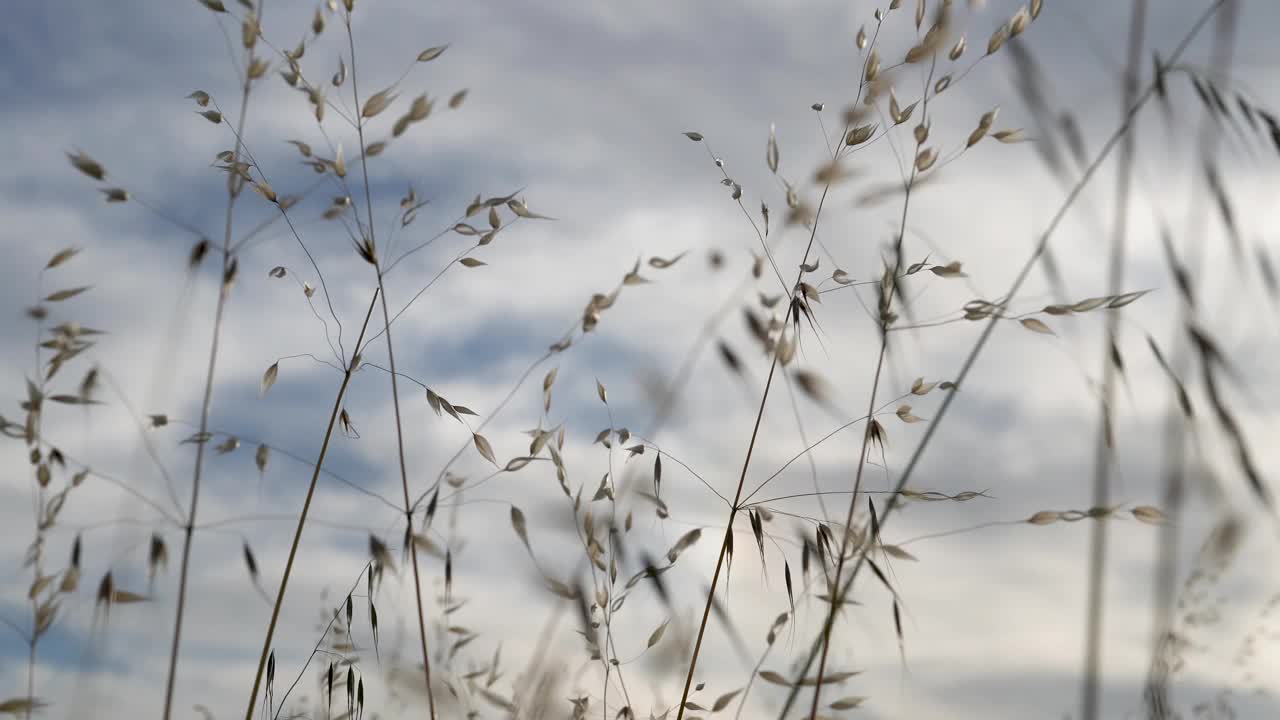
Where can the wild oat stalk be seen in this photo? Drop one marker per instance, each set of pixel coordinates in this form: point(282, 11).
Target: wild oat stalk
point(230, 268)
point(886, 317)
point(372, 257)
point(1104, 450)
point(352, 365)
point(746, 463)
point(1174, 474)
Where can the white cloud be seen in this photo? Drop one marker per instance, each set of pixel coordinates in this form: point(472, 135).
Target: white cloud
point(584, 108)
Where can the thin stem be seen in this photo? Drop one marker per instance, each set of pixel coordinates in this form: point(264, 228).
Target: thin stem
point(225, 279)
point(837, 600)
point(830, 622)
point(1090, 699)
point(408, 506)
point(1175, 430)
point(395, 395)
point(724, 544)
point(742, 478)
point(323, 634)
point(302, 518)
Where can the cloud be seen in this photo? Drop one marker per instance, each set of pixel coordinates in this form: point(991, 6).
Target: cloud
point(582, 110)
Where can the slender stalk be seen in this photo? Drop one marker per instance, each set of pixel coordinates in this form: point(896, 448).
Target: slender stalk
point(323, 634)
point(227, 276)
point(189, 528)
point(724, 544)
point(1174, 472)
point(837, 601)
point(830, 622)
point(37, 567)
point(408, 506)
point(742, 478)
point(1090, 700)
point(306, 507)
point(395, 395)
point(31, 673)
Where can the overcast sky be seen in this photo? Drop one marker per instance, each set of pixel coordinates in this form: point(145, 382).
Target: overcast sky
point(581, 109)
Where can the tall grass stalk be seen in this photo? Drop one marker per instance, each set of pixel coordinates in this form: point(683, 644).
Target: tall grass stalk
point(351, 367)
point(395, 394)
point(1104, 450)
point(226, 280)
point(885, 318)
point(1174, 473)
point(742, 477)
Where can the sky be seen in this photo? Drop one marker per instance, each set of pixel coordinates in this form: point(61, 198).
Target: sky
point(582, 111)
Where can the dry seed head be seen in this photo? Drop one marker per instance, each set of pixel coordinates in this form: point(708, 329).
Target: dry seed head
point(859, 135)
point(432, 53)
point(420, 109)
point(1044, 517)
point(873, 66)
point(258, 68)
point(378, 102)
point(1036, 6)
point(922, 133)
point(402, 124)
point(249, 30)
point(942, 84)
point(904, 114)
point(340, 76)
point(87, 165)
point(1148, 514)
point(936, 34)
point(339, 164)
point(1037, 326)
point(317, 22)
point(997, 39)
point(830, 173)
point(926, 159)
point(861, 39)
point(951, 269)
point(1019, 22)
point(771, 152)
point(265, 191)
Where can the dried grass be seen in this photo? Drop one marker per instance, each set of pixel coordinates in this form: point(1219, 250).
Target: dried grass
point(628, 588)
